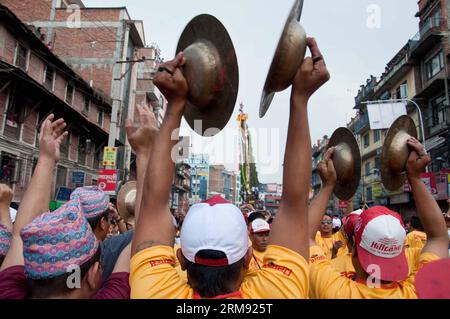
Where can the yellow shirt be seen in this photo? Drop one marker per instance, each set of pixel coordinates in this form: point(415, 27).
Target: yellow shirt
point(257, 260)
point(416, 239)
point(284, 275)
point(327, 244)
point(344, 265)
point(327, 283)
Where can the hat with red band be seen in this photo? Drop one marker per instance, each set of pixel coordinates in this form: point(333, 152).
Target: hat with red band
point(380, 237)
point(349, 222)
point(433, 280)
point(216, 225)
point(259, 226)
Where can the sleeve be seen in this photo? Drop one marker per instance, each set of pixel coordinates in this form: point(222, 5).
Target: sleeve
point(116, 287)
point(421, 261)
point(284, 275)
point(153, 275)
point(12, 283)
point(325, 282)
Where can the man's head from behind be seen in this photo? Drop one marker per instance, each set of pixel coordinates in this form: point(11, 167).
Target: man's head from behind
point(214, 247)
point(416, 224)
point(61, 254)
point(259, 231)
point(380, 236)
point(95, 207)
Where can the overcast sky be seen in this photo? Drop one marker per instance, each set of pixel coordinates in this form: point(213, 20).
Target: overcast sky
point(353, 50)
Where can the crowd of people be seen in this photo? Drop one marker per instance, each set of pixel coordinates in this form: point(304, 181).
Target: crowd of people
point(86, 250)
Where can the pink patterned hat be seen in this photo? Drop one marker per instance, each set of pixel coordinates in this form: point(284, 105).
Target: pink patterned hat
point(5, 240)
point(93, 200)
point(56, 241)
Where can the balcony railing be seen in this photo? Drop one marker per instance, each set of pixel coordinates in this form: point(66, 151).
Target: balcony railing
point(424, 31)
point(391, 73)
point(361, 123)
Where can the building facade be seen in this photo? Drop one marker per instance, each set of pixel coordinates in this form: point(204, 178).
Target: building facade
point(199, 177)
point(34, 83)
point(107, 48)
point(223, 182)
point(418, 72)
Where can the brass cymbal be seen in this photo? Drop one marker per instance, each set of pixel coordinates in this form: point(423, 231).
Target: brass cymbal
point(347, 162)
point(396, 152)
point(288, 57)
point(212, 73)
point(126, 201)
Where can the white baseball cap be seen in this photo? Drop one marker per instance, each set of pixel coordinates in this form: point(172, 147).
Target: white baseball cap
point(380, 235)
point(13, 214)
point(259, 226)
point(337, 222)
point(218, 225)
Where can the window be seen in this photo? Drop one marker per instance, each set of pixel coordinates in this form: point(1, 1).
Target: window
point(49, 77)
point(434, 65)
point(65, 146)
point(82, 145)
point(21, 57)
point(366, 141)
point(9, 169)
point(100, 117)
point(69, 93)
point(367, 169)
point(376, 136)
point(377, 163)
point(369, 194)
point(61, 177)
point(439, 111)
point(385, 96)
point(86, 105)
point(402, 91)
point(98, 157)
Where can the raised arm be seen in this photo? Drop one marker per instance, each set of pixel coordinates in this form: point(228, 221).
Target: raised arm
point(37, 196)
point(319, 205)
point(290, 228)
point(154, 226)
point(141, 140)
point(428, 210)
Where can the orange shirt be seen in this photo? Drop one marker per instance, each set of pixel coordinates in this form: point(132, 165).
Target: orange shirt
point(416, 239)
point(284, 275)
point(327, 283)
point(327, 244)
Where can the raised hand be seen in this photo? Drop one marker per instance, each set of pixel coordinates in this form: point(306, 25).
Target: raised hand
point(418, 159)
point(311, 75)
point(326, 169)
point(50, 138)
point(141, 138)
point(171, 81)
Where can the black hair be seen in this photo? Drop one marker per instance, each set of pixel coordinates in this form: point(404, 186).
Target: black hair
point(416, 223)
point(254, 216)
point(329, 215)
point(46, 288)
point(95, 221)
point(210, 282)
point(2, 258)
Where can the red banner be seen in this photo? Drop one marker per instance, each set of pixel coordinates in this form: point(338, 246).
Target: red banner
point(107, 180)
point(430, 181)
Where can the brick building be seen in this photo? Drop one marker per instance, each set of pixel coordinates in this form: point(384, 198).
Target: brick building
point(105, 46)
point(34, 82)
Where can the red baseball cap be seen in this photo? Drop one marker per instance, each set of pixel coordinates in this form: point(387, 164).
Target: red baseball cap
point(350, 221)
point(380, 237)
point(433, 280)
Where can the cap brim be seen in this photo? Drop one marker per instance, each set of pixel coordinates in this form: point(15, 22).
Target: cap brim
point(261, 231)
point(433, 280)
point(390, 269)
